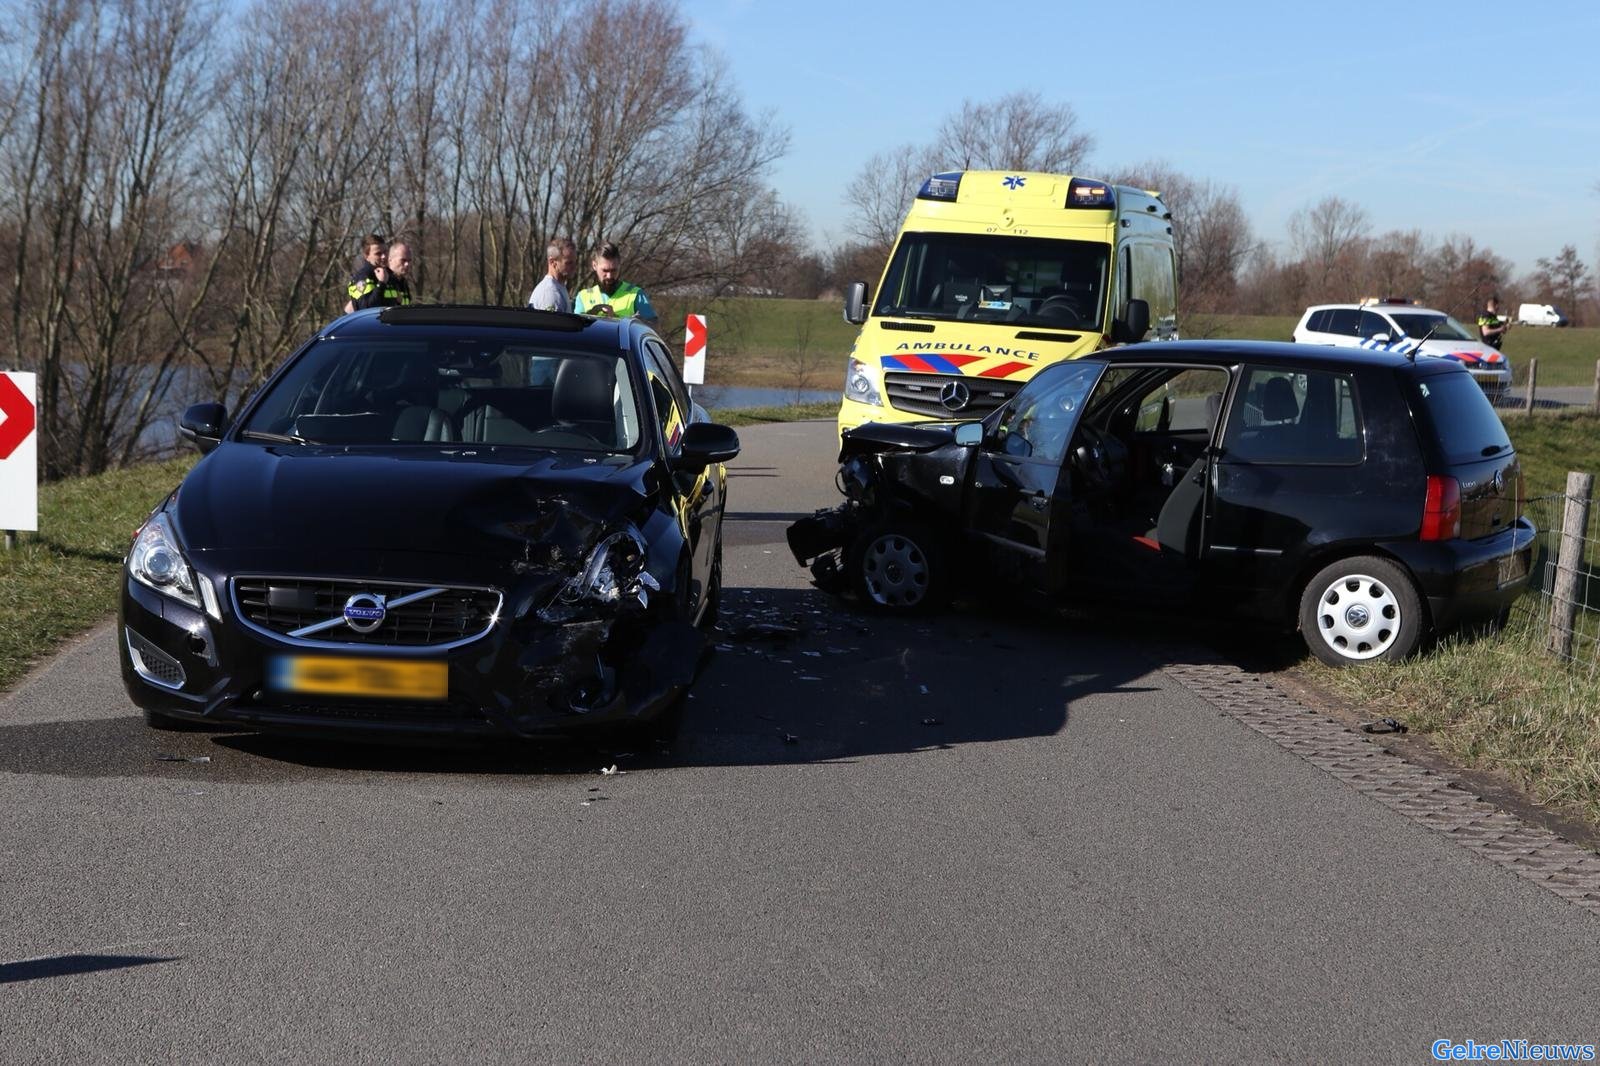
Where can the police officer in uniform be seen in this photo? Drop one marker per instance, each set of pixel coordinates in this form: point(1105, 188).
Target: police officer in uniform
point(612, 297)
point(369, 272)
point(393, 290)
point(1491, 330)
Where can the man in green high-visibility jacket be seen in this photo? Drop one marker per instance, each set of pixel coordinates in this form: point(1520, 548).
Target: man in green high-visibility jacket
point(613, 297)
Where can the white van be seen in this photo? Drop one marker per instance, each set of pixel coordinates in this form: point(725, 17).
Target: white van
point(1540, 315)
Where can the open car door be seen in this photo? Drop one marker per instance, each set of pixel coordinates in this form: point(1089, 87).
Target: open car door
point(1019, 499)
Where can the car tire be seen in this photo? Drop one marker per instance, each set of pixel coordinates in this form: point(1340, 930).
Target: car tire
point(898, 568)
point(1359, 610)
point(168, 724)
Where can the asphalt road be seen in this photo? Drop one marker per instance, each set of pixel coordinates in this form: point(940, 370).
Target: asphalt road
point(979, 838)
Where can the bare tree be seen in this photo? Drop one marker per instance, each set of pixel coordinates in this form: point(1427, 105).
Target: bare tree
point(882, 190)
point(1397, 265)
point(98, 173)
point(1565, 277)
point(1019, 131)
point(1330, 238)
point(294, 152)
point(1210, 233)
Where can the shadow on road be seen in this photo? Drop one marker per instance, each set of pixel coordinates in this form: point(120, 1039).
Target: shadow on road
point(66, 965)
point(796, 677)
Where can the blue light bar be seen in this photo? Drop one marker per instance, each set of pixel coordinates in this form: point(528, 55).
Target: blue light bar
point(1094, 194)
point(941, 187)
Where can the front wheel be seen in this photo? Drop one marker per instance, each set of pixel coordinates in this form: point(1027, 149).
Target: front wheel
point(1362, 609)
point(898, 568)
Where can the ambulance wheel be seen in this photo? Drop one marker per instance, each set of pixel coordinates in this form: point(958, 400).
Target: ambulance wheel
point(898, 568)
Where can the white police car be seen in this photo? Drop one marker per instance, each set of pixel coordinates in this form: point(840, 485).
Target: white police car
point(1401, 326)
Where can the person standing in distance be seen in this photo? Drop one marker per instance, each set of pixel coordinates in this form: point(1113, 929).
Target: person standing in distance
point(394, 290)
point(1491, 330)
point(561, 263)
point(369, 272)
point(613, 297)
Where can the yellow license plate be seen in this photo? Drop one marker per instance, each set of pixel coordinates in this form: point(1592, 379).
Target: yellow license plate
point(324, 675)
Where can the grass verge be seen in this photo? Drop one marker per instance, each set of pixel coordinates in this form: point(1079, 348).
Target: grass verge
point(1494, 702)
point(63, 580)
point(793, 412)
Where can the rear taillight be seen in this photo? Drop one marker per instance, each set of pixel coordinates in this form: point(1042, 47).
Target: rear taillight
point(1441, 509)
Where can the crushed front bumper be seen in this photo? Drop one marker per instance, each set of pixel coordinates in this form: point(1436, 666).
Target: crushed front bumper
point(532, 675)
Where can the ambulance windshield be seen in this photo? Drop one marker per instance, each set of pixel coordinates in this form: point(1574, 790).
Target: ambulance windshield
point(1028, 281)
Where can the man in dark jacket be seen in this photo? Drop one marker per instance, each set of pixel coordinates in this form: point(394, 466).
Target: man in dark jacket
point(369, 272)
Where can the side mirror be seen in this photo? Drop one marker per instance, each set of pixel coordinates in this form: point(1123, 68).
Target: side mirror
point(1136, 325)
point(204, 424)
point(705, 443)
point(1379, 337)
point(855, 303)
point(969, 434)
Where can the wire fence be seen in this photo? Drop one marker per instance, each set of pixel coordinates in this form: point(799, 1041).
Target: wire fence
point(1563, 601)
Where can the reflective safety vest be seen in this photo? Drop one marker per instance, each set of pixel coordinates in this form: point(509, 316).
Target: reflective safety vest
point(625, 301)
point(362, 282)
point(394, 293)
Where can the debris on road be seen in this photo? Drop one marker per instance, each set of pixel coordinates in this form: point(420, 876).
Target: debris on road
point(165, 757)
point(1386, 725)
point(611, 771)
point(766, 631)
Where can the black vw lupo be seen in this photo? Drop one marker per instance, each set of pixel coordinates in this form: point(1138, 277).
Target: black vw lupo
point(1366, 497)
point(437, 521)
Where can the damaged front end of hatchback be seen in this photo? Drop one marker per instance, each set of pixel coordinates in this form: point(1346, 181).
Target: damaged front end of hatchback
point(892, 476)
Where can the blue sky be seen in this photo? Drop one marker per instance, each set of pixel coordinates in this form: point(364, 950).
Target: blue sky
point(1451, 118)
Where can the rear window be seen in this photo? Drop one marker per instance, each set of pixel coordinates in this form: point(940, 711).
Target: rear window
point(1460, 417)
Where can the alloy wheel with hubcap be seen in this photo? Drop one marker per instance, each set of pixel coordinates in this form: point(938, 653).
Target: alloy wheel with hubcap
point(897, 568)
point(1359, 610)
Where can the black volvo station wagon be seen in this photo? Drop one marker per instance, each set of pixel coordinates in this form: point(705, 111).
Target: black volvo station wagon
point(1367, 498)
point(437, 521)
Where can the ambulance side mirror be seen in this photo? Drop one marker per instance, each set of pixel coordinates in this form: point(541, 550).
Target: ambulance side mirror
point(855, 303)
point(1133, 328)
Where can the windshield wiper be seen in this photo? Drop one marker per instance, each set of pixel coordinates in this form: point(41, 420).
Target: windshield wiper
point(275, 438)
point(900, 312)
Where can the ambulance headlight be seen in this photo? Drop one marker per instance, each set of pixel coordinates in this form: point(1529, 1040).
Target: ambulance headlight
point(858, 384)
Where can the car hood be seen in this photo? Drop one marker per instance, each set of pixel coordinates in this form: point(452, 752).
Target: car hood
point(543, 508)
point(1475, 355)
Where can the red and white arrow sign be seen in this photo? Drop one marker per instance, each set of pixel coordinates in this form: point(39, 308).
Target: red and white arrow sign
point(19, 453)
point(694, 350)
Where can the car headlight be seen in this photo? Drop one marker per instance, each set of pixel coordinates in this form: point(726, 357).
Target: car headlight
point(614, 571)
point(155, 561)
point(858, 384)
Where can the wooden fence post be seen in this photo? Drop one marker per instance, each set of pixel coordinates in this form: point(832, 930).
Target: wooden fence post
point(1533, 374)
point(11, 540)
point(1570, 563)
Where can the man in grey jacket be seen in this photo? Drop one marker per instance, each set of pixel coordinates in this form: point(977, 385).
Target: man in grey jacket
point(561, 262)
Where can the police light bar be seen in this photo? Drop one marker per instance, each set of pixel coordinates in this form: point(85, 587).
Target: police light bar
point(1085, 193)
point(941, 187)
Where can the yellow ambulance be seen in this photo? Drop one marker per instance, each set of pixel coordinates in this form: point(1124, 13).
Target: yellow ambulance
point(996, 274)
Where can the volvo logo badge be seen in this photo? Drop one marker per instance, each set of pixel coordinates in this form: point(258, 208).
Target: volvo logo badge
point(365, 611)
point(955, 396)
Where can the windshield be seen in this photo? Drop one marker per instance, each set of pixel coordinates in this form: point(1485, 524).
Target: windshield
point(1443, 327)
point(1028, 281)
point(485, 389)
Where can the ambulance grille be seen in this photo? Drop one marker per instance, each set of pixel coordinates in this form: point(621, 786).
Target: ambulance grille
point(920, 394)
